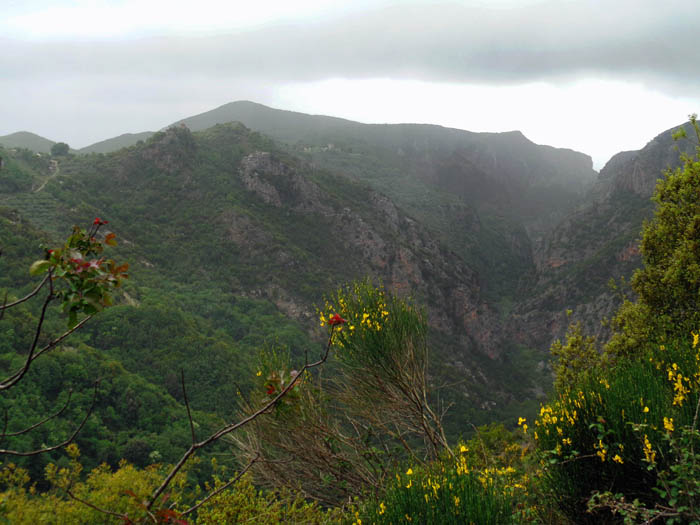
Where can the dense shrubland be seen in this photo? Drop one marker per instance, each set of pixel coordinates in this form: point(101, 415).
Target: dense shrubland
point(359, 438)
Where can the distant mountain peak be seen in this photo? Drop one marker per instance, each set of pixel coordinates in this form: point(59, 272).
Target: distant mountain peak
point(28, 140)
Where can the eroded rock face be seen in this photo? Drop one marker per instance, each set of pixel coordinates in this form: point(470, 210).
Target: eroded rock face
point(637, 171)
point(171, 151)
point(385, 243)
point(598, 242)
point(277, 183)
point(251, 166)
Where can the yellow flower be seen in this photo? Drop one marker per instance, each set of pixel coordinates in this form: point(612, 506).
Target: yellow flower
point(409, 472)
point(410, 484)
point(602, 451)
point(525, 428)
point(649, 454)
point(259, 373)
point(382, 508)
point(646, 409)
point(521, 420)
point(618, 459)
point(668, 424)
point(463, 449)
point(696, 336)
point(456, 501)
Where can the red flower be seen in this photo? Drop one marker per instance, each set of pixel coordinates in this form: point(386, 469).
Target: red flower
point(98, 221)
point(94, 264)
point(336, 319)
point(270, 390)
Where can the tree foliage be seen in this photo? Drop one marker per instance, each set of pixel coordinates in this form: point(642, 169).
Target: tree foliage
point(83, 285)
point(60, 149)
point(573, 359)
point(343, 433)
point(668, 285)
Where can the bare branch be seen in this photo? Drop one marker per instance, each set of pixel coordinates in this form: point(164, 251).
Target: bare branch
point(98, 509)
point(4, 426)
point(63, 443)
point(223, 487)
point(15, 378)
point(4, 305)
point(31, 294)
point(61, 337)
point(46, 348)
point(227, 429)
point(187, 405)
point(36, 425)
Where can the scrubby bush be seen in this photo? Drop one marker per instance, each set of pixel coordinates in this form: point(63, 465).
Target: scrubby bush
point(449, 491)
point(340, 433)
point(623, 431)
point(668, 285)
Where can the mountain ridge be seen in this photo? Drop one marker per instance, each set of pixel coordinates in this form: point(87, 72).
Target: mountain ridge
point(28, 140)
point(236, 111)
point(596, 243)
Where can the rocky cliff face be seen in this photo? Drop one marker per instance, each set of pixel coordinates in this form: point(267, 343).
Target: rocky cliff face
point(504, 171)
point(381, 240)
point(278, 184)
point(495, 235)
point(640, 170)
point(598, 242)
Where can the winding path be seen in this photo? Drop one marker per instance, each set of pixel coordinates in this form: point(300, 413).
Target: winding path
point(51, 176)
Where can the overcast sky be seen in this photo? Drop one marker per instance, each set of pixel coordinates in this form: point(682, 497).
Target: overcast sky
point(595, 76)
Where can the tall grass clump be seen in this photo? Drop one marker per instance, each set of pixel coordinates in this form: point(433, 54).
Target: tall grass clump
point(343, 432)
point(616, 434)
point(448, 491)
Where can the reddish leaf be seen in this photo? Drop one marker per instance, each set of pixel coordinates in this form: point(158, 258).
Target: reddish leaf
point(110, 239)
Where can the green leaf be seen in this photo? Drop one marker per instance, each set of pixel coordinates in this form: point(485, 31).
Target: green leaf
point(39, 267)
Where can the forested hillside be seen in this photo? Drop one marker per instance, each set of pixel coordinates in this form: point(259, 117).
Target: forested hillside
point(232, 244)
point(235, 238)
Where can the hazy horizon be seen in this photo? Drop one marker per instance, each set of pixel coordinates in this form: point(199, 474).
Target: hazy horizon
point(589, 76)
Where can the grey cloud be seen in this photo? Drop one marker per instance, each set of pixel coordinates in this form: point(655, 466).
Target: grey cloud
point(642, 40)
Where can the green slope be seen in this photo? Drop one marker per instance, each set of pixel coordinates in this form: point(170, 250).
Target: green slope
point(233, 242)
point(116, 143)
point(25, 139)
